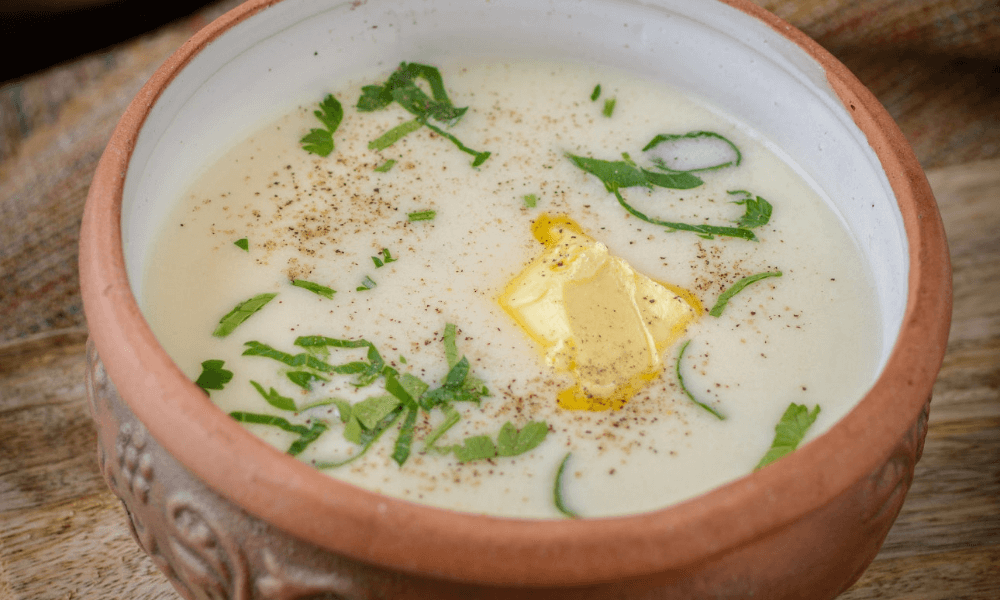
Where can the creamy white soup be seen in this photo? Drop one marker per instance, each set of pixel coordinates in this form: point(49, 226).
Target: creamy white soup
point(534, 335)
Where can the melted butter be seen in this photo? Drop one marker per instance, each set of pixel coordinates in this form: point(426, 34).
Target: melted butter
point(595, 316)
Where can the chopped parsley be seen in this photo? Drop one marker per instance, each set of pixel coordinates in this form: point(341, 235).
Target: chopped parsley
point(422, 215)
point(319, 290)
point(213, 376)
point(619, 174)
point(241, 312)
point(609, 107)
point(680, 380)
point(384, 260)
point(738, 287)
point(274, 398)
point(243, 243)
point(320, 141)
point(530, 200)
point(386, 166)
point(366, 284)
point(401, 88)
point(557, 494)
point(594, 95)
point(789, 431)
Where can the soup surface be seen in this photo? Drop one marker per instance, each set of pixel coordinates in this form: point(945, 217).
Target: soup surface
point(392, 244)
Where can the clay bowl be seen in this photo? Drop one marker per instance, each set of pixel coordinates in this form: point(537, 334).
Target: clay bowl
point(225, 515)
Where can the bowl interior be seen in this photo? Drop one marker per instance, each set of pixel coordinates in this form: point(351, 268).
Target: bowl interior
point(296, 50)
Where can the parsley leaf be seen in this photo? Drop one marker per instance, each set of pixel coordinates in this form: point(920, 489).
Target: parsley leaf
point(423, 215)
point(386, 166)
point(511, 442)
point(317, 141)
point(301, 359)
point(386, 259)
point(394, 135)
point(758, 210)
point(738, 287)
point(477, 447)
point(243, 243)
point(557, 492)
point(320, 141)
point(450, 348)
point(370, 411)
point(530, 200)
point(274, 398)
point(693, 135)
point(404, 441)
point(609, 107)
point(319, 290)
point(261, 419)
point(401, 88)
point(789, 431)
point(596, 93)
point(680, 380)
point(318, 428)
point(451, 417)
point(624, 173)
point(240, 313)
point(305, 379)
point(367, 372)
point(213, 376)
point(365, 437)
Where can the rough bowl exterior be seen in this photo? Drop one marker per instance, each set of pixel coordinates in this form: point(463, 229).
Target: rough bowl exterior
point(226, 516)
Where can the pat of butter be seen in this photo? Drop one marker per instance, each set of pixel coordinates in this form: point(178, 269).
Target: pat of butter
point(595, 316)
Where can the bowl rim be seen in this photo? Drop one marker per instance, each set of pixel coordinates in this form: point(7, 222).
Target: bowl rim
point(404, 536)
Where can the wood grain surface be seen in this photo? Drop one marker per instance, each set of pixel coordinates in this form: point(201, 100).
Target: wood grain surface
point(935, 65)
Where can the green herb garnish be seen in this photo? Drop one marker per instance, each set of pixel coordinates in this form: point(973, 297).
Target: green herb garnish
point(422, 215)
point(319, 290)
point(758, 210)
point(622, 174)
point(530, 200)
point(213, 376)
point(680, 380)
point(243, 243)
point(450, 347)
point(320, 141)
point(386, 166)
point(366, 284)
point(510, 442)
point(366, 438)
point(596, 93)
point(451, 417)
point(305, 379)
point(557, 495)
point(477, 447)
point(609, 107)
point(394, 135)
point(386, 259)
point(301, 359)
point(311, 435)
point(401, 88)
point(241, 313)
point(672, 137)
point(274, 398)
point(366, 372)
point(789, 431)
point(307, 435)
point(738, 287)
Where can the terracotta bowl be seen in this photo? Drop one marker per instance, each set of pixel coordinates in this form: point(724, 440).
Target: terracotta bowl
point(225, 515)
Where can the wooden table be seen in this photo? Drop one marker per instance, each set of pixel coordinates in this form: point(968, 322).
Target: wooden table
point(63, 535)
